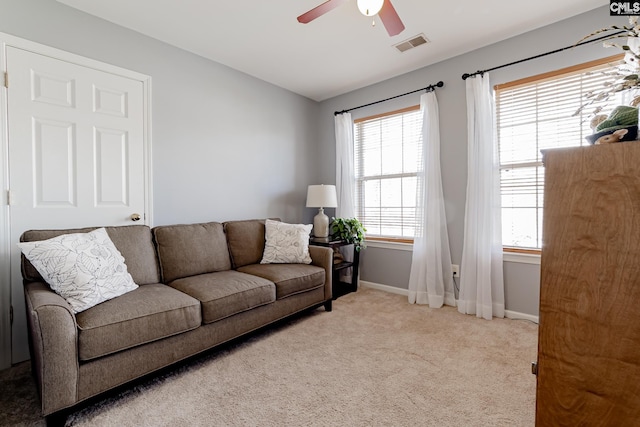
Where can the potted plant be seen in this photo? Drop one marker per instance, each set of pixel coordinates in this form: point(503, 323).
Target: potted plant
point(349, 229)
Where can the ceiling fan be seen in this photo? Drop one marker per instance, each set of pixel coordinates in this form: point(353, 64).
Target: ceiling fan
point(383, 8)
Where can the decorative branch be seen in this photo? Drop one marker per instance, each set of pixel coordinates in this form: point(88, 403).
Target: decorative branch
point(626, 76)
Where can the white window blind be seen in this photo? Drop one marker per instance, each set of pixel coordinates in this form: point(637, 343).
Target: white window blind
point(386, 153)
point(534, 115)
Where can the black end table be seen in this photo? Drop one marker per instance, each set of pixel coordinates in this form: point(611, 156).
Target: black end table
point(339, 287)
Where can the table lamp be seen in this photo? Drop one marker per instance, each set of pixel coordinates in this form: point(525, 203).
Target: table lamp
point(321, 196)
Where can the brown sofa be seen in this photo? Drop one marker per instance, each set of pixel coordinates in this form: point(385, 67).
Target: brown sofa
point(200, 285)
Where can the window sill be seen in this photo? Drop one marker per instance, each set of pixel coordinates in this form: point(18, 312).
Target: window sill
point(383, 244)
point(517, 257)
point(521, 258)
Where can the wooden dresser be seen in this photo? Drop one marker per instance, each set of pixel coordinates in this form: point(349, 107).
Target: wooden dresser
point(589, 334)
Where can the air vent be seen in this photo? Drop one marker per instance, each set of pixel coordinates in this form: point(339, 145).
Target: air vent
point(411, 43)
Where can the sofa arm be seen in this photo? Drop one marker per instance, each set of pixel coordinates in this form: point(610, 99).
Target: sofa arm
point(53, 341)
point(323, 257)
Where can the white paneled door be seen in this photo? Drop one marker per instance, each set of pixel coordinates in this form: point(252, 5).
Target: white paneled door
point(77, 155)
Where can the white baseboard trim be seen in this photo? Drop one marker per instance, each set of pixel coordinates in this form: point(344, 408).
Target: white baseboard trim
point(514, 315)
point(385, 288)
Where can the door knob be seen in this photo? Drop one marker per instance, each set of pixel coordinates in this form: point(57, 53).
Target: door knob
point(135, 217)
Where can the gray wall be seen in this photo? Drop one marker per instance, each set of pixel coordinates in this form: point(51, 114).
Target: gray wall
point(391, 267)
point(225, 145)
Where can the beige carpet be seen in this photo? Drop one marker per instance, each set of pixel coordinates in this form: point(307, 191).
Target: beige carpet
point(374, 361)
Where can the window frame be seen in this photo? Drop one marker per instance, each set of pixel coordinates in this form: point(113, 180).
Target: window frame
point(357, 181)
point(574, 69)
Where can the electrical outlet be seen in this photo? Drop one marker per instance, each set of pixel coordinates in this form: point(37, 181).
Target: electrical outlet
point(455, 269)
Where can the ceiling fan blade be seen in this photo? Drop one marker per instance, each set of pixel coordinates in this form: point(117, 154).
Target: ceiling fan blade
point(317, 11)
point(390, 19)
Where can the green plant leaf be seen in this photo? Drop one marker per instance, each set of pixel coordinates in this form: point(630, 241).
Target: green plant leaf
point(350, 230)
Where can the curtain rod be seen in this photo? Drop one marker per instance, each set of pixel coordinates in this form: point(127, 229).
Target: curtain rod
point(465, 76)
point(428, 89)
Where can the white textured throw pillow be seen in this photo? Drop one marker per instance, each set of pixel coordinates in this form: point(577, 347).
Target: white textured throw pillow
point(83, 268)
point(286, 243)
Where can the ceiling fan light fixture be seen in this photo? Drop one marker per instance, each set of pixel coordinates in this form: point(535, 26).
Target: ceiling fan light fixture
point(370, 7)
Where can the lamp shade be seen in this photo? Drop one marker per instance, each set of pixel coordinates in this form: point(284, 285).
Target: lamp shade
point(322, 196)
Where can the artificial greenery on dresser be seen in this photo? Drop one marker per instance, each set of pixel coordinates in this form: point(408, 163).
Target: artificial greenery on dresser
point(627, 75)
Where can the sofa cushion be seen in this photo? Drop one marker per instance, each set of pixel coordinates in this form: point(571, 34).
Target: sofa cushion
point(290, 279)
point(133, 241)
point(83, 268)
point(191, 249)
point(149, 313)
point(226, 293)
point(246, 241)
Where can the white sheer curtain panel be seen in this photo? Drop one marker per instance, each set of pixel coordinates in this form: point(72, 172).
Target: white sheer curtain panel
point(345, 176)
point(481, 275)
point(431, 278)
point(345, 179)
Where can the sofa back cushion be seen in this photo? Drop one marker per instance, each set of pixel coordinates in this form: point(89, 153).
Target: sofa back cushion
point(190, 249)
point(246, 241)
point(134, 242)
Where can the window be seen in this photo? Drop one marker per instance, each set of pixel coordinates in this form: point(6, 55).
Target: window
point(536, 114)
point(387, 149)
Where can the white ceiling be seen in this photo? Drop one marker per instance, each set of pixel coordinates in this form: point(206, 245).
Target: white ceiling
point(338, 52)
